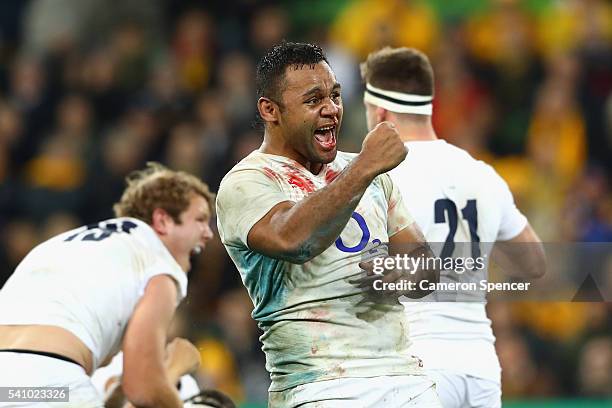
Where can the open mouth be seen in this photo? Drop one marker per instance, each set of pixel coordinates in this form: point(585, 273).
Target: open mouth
point(326, 136)
point(197, 250)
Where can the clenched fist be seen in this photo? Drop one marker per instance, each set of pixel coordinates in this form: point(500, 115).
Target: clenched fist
point(382, 149)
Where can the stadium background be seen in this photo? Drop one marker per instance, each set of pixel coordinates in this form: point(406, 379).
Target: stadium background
point(92, 89)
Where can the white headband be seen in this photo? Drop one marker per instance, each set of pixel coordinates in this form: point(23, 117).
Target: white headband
point(397, 101)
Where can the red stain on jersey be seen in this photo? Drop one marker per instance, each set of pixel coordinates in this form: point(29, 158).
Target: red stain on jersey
point(270, 174)
point(319, 314)
point(331, 175)
point(392, 204)
point(296, 179)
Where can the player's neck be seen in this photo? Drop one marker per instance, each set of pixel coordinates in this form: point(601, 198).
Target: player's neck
point(279, 147)
point(180, 256)
point(411, 132)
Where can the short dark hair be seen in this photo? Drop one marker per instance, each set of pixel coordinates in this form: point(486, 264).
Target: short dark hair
point(403, 69)
point(271, 68)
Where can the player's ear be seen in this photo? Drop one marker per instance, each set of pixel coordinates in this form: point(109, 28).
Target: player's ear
point(268, 109)
point(381, 114)
point(160, 221)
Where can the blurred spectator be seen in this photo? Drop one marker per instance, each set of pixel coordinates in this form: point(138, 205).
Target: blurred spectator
point(596, 81)
point(520, 375)
point(57, 223)
point(184, 150)
point(269, 26)
point(124, 148)
point(245, 144)
point(588, 208)
point(18, 237)
point(595, 369)
point(28, 94)
point(11, 129)
point(58, 169)
point(463, 107)
point(556, 321)
point(557, 139)
point(240, 332)
point(236, 73)
point(27, 83)
point(218, 368)
point(500, 42)
point(51, 24)
point(99, 81)
point(214, 127)
point(164, 95)
point(131, 53)
point(366, 25)
point(193, 48)
point(571, 24)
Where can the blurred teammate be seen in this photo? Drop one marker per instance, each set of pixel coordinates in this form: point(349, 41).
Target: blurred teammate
point(297, 217)
point(454, 198)
point(79, 297)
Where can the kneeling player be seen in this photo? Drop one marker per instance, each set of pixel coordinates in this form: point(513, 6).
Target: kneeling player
point(79, 297)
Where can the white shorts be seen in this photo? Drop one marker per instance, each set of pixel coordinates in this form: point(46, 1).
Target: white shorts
point(375, 392)
point(32, 370)
point(458, 390)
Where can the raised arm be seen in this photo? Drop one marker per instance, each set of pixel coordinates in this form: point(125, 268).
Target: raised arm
point(297, 232)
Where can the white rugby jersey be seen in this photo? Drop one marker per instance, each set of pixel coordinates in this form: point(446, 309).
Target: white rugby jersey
point(440, 182)
point(88, 281)
point(317, 326)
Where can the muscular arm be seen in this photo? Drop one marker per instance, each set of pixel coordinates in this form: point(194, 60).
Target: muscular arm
point(297, 232)
point(522, 256)
point(146, 381)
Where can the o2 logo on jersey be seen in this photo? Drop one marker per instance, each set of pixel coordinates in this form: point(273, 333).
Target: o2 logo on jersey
point(365, 237)
point(102, 230)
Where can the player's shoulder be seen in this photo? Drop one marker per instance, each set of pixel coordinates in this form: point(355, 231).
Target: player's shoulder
point(463, 160)
point(255, 163)
point(138, 239)
point(101, 230)
point(128, 233)
point(126, 236)
point(457, 153)
point(253, 160)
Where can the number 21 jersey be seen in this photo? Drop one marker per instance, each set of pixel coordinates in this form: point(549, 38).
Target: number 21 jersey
point(455, 198)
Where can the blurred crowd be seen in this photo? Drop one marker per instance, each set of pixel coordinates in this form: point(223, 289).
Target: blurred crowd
point(89, 92)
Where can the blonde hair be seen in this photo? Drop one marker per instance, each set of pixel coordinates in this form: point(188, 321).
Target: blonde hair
point(156, 186)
